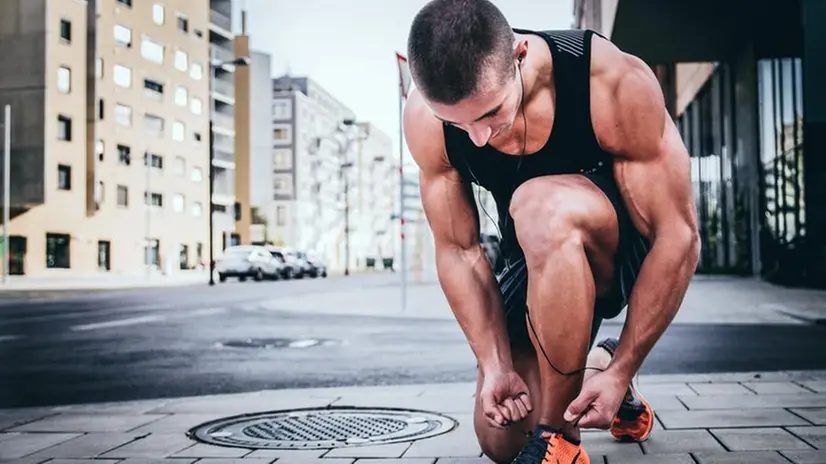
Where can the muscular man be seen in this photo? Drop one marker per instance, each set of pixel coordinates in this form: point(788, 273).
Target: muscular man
point(592, 183)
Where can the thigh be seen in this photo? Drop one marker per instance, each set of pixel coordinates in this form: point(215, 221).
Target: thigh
point(502, 445)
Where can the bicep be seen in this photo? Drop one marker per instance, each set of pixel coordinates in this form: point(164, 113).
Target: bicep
point(447, 204)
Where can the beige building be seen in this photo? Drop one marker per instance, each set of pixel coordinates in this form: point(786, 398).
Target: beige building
point(110, 103)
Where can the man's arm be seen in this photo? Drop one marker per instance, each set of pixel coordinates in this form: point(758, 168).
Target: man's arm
point(654, 174)
point(463, 269)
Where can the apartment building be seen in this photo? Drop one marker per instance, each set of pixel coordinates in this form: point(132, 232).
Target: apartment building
point(308, 186)
point(752, 113)
point(109, 134)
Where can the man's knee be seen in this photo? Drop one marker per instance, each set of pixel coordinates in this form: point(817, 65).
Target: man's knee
point(500, 446)
point(546, 219)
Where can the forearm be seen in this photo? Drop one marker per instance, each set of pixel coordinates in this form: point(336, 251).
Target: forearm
point(471, 291)
point(659, 291)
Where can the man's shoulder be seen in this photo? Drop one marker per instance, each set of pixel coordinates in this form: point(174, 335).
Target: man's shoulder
point(423, 133)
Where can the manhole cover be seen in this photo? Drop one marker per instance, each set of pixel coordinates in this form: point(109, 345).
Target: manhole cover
point(322, 428)
point(269, 343)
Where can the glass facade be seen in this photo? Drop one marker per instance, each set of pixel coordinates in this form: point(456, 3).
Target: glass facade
point(709, 130)
point(783, 222)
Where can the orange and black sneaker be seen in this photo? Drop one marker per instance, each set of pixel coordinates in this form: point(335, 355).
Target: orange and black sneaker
point(548, 446)
point(635, 419)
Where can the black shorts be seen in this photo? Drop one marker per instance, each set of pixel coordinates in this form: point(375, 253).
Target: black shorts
point(632, 249)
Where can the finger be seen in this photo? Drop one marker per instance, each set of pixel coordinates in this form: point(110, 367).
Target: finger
point(594, 419)
point(495, 418)
point(520, 405)
point(508, 408)
point(525, 398)
point(579, 405)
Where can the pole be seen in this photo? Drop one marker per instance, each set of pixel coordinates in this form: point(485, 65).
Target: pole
point(209, 201)
point(346, 221)
point(6, 189)
point(401, 205)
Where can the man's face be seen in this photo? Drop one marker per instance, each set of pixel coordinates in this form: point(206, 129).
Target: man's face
point(488, 113)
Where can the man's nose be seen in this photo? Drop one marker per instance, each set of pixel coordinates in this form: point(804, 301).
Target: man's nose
point(480, 135)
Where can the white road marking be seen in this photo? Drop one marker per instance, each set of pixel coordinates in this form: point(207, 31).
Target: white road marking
point(8, 338)
point(118, 323)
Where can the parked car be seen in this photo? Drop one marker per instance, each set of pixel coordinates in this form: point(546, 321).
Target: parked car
point(290, 269)
point(299, 259)
point(317, 266)
point(248, 261)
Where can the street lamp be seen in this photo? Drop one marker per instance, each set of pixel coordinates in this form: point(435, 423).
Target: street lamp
point(240, 61)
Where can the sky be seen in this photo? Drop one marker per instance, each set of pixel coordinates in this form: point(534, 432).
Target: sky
point(348, 47)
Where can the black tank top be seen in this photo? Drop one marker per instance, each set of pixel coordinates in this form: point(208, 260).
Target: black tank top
point(571, 149)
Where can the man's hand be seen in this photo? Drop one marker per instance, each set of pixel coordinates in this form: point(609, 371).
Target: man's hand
point(598, 401)
point(505, 398)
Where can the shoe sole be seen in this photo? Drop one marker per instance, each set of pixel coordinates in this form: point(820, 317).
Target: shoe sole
point(625, 437)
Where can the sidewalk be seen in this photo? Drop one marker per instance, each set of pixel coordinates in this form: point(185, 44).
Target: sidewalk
point(102, 281)
point(708, 419)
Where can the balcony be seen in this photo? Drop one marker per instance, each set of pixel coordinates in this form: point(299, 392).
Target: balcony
point(224, 151)
point(221, 20)
point(224, 121)
point(223, 88)
point(218, 55)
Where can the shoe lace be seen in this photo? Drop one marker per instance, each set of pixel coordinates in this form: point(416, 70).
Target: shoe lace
point(538, 450)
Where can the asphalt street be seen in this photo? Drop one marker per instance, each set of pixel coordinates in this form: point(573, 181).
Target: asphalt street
point(167, 342)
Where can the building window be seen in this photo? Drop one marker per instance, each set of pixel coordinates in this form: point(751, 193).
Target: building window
point(57, 251)
point(122, 76)
point(99, 68)
point(64, 128)
point(153, 125)
point(153, 199)
point(123, 195)
point(282, 134)
point(282, 184)
point(197, 175)
point(152, 253)
point(64, 177)
point(152, 51)
point(196, 106)
point(123, 35)
point(178, 131)
point(281, 215)
point(64, 79)
point(126, 2)
point(178, 203)
point(124, 154)
point(282, 109)
point(156, 161)
point(158, 14)
point(123, 115)
point(100, 190)
point(99, 149)
point(181, 60)
point(196, 136)
point(66, 30)
point(181, 96)
point(183, 23)
point(100, 109)
point(153, 89)
point(179, 166)
point(196, 71)
point(197, 209)
point(282, 158)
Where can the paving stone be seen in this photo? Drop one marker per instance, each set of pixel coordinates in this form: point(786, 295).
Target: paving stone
point(82, 461)
point(156, 461)
point(728, 418)
point(393, 450)
point(604, 444)
point(666, 389)
point(815, 436)
point(752, 401)
point(445, 404)
point(719, 389)
point(201, 450)
point(816, 416)
point(759, 439)
point(30, 443)
point(665, 403)
point(176, 423)
point(680, 441)
point(776, 388)
point(154, 446)
point(459, 442)
point(87, 423)
point(806, 457)
point(229, 461)
point(88, 446)
point(762, 457)
point(13, 418)
point(232, 405)
point(818, 386)
point(284, 454)
point(476, 460)
point(652, 459)
point(121, 407)
point(397, 461)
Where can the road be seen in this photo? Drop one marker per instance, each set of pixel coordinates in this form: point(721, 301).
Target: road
point(152, 343)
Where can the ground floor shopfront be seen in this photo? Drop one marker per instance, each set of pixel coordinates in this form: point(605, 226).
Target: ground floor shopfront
point(755, 125)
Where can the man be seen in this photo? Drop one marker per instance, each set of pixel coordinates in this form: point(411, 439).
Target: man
point(592, 183)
